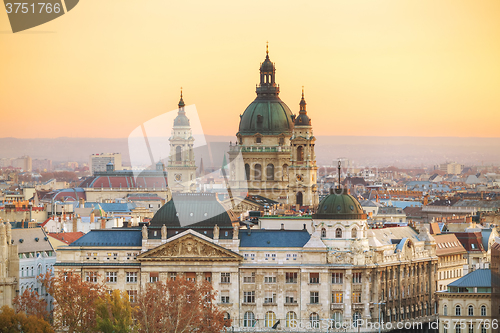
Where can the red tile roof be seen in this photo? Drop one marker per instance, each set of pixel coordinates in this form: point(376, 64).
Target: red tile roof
point(67, 237)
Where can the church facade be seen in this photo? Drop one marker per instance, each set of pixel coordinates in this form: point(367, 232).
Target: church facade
point(277, 146)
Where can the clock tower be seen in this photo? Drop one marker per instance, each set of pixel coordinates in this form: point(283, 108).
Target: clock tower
point(181, 166)
point(302, 188)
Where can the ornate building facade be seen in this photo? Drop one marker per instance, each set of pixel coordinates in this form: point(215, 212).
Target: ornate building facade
point(181, 164)
point(335, 275)
point(277, 147)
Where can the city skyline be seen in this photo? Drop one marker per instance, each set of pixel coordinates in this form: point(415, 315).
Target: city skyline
point(369, 69)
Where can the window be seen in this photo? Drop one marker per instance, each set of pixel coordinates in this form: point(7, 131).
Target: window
point(248, 319)
point(91, 276)
point(270, 172)
point(290, 277)
point(153, 277)
point(356, 297)
point(323, 233)
point(290, 297)
point(225, 277)
point(290, 256)
point(247, 171)
point(258, 139)
point(257, 172)
point(208, 276)
point(355, 318)
point(270, 297)
point(337, 278)
point(458, 329)
point(314, 320)
point(356, 278)
point(270, 279)
point(224, 297)
point(470, 310)
point(131, 277)
point(268, 255)
point(313, 277)
point(445, 310)
point(300, 153)
point(483, 310)
point(337, 297)
point(173, 275)
point(458, 310)
point(132, 295)
point(249, 297)
point(190, 276)
point(111, 277)
point(291, 319)
point(354, 233)
point(270, 319)
point(483, 329)
point(338, 233)
point(178, 151)
point(249, 278)
point(314, 297)
point(471, 328)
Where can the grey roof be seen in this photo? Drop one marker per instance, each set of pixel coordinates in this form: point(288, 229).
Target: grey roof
point(29, 241)
point(389, 236)
point(125, 207)
point(477, 278)
point(274, 238)
point(110, 237)
point(485, 233)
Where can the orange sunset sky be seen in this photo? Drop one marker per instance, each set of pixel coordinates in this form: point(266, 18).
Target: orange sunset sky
point(374, 67)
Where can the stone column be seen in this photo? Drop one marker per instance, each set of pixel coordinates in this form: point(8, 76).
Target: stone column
point(365, 296)
point(347, 294)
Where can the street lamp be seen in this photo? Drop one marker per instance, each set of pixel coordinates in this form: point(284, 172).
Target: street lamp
point(379, 321)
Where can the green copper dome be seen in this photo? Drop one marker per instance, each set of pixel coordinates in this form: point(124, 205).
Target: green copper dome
point(267, 117)
point(338, 206)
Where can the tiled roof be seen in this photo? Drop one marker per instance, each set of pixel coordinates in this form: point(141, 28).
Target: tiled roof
point(448, 244)
point(471, 241)
point(110, 237)
point(477, 278)
point(274, 238)
point(67, 237)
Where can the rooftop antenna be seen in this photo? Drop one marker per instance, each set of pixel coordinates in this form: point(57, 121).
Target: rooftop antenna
point(340, 163)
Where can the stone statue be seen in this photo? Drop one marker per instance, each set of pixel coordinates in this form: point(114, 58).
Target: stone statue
point(164, 232)
point(313, 228)
point(236, 230)
point(144, 232)
point(216, 232)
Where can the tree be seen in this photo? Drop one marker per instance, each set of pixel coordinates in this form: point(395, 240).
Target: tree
point(31, 304)
point(178, 306)
point(75, 301)
point(114, 313)
point(13, 322)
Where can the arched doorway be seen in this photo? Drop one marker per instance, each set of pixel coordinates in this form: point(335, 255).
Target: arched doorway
point(299, 199)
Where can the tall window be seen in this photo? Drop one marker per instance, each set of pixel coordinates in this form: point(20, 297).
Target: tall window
point(270, 319)
point(247, 171)
point(132, 295)
point(458, 310)
point(337, 278)
point(337, 297)
point(356, 317)
point(356, 278)
point(111, 277)
point(291, 277)
point(270, 172)
point(338, 233)
point(483, 310)
point(224, 296)
point(356, 297)
point(248, 319)
point(314, 297)
point(178, 151)
point(225, 277)
point(354, 233)
point(249, 297)
point(314, 319)
point(291, 319)
point(258, 172)
point(470, 310)
point(336, 320)
point(300, 153)
point(313, 277)
point(445, 310)
point(323, 232)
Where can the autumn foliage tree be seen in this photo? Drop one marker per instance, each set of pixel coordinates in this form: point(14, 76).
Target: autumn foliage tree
point(31, 303)
point(13, 322)
point(178, 306)
point(75, 301)
point(114, 313)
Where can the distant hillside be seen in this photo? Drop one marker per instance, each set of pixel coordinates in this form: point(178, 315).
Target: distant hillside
point(371, 151)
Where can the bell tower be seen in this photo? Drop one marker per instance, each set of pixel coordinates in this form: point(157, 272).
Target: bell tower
point(181, 166)
point(302, 188)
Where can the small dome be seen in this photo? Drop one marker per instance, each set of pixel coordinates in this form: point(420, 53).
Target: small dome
point(181, 120)
point(267, 66)
point(338, 206)
point(302, 119)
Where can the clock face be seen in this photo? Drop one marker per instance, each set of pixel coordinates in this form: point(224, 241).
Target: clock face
point(299, 178)
point(178, 177)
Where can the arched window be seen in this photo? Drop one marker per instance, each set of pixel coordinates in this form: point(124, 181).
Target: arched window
point(314, 320)
point(258, 172)
point(470, 310)
point(291, 319)
point(354, 233)
point(300, 153)
point(357, 316)
point(336, 320)
point(285, 171)
point(270, 172)
point(227, 319)
point(247, 171)
point(458, 310)
point(32, 271)
point(248, 319)
point(338, 233)
point(299, 199)
point(483, 311)
point(270, 319)
point(178, 151)
point(323, 232)
point(22, 271)
point(39, 270)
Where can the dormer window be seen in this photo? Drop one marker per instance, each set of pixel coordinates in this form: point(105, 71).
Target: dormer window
point(258, 139)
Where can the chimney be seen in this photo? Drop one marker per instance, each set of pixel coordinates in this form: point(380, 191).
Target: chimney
point(75, 224)
point(103, 223)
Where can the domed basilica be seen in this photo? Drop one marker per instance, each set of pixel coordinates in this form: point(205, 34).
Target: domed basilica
point(277, 147)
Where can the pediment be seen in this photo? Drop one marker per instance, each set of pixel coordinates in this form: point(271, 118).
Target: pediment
point(189, 247)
